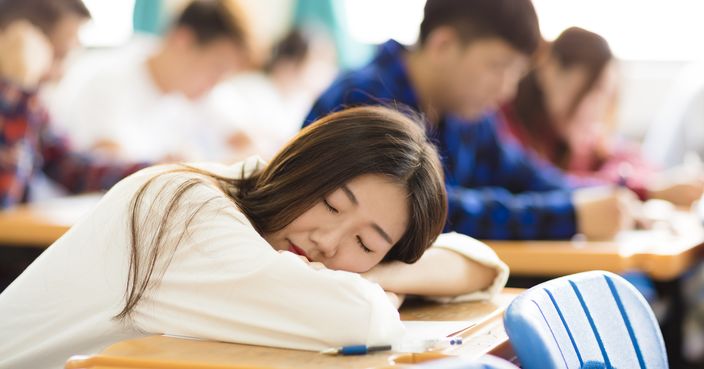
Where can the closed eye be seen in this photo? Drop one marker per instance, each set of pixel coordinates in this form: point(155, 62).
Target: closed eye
point(330, 207)
point(363, 246)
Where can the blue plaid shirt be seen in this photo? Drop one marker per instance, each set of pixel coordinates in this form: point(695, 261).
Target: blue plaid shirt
point(496, 191)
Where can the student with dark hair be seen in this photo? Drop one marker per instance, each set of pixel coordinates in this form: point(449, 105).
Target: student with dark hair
point(157, 105)
point(469, 58)
point(35, 35)
point(264, 254)
point(293, 48)
point(58, 20)
point(561, 113)
point(300, 66)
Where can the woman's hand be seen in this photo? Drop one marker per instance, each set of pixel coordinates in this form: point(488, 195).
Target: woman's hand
point(680, 194)
point(439, 272)
point(680, 185)
point(26, 55)
point(388, 275)
point(604, 211)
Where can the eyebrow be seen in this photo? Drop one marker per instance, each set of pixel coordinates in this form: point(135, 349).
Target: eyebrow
point(376, 227)
point(349, 194)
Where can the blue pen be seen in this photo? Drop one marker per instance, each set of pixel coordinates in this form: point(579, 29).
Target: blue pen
point(413, 345)
point(625, 170)
point(355, 350)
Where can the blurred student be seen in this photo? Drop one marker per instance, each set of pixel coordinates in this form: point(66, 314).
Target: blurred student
point(255, 253)
point(469, 58)
point(270, 104)
point(156, 105)
point(561, 113)
point(35, 36)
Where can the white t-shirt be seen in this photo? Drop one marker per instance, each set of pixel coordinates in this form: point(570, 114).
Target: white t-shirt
point(224, 282)
point(122, 104)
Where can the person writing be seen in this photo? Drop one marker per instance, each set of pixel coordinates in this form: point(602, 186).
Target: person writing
point(468, 60)
point(264, 254)
point(35, 36)
point(561, 114)
point(158, 105)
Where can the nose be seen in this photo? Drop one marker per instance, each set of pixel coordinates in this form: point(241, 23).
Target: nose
point(327, 241)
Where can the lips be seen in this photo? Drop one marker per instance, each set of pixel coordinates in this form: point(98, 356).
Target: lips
point(297, 250)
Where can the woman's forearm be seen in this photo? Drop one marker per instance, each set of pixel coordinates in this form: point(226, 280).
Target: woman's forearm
point(439, 272)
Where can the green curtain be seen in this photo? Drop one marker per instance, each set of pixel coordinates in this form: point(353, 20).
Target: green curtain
point(329, 15)
point(149, 16)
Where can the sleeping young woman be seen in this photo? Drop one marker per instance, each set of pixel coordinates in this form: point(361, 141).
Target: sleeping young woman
point(295, 253)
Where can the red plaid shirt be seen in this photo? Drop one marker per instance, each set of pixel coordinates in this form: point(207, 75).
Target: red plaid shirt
point(28, 145)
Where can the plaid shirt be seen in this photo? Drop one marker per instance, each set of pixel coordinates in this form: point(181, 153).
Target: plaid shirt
point(495, 190)
point(27, 145)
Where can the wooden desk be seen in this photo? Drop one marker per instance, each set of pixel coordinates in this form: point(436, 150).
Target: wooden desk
point(157, 351)
point(40, 224)
point(663, 254)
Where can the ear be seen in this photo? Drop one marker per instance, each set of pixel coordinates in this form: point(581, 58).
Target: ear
point(442, 41)
point(181, 38)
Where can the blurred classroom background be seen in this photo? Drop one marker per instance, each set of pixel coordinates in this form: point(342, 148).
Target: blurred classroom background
point(655, 43)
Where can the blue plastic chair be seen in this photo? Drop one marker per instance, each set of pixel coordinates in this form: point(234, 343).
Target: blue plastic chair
point(484, 362)
point(587, 320)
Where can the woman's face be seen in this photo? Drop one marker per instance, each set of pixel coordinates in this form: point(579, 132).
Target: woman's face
point(351, 228)
point(562, 87)
point(594, 106)
point(481, 76)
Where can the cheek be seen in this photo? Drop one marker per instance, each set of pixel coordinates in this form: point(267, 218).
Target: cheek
point(482, 83)
point(584, 112)
point(464, 89)
point(351, 260)
point(587, 119)
point(556, 104)
point(314, 218)
point(206, 73)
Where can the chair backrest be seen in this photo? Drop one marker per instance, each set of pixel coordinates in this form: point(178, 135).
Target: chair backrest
point(586, 320)
point(484, 362)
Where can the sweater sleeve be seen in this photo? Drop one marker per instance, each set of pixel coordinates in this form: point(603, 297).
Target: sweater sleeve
point(225, 282)
point(480, 253)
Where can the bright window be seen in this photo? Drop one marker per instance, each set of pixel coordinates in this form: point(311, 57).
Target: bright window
point(375, 21)
point(636, 29)
point(111, 23)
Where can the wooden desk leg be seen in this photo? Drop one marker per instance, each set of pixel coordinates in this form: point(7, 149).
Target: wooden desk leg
point(505, 351)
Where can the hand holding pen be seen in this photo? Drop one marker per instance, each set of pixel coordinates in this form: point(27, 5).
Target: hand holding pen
point(601, 212)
